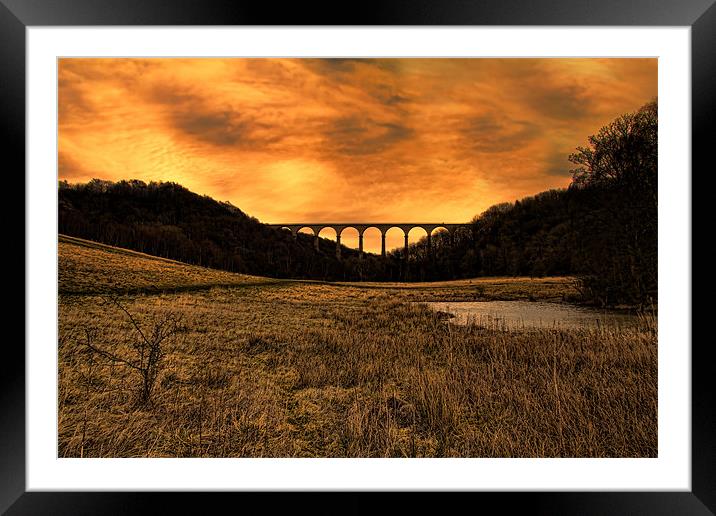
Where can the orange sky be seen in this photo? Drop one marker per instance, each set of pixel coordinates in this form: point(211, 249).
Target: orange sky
point(382, 140)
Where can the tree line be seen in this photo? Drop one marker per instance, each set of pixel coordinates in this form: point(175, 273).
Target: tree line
point(167, 220)
point(602, 228)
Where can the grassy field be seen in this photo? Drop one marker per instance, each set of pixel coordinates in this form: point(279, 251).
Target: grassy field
point(261, 367)
point(86, 267)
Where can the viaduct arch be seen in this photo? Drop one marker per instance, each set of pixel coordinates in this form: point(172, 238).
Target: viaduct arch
point(317, 227)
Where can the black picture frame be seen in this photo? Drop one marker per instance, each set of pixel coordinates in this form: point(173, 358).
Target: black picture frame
point(17, 15)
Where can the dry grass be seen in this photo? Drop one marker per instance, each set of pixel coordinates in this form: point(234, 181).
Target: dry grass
point(86, 267)
point(480, 289)
point(303, 369)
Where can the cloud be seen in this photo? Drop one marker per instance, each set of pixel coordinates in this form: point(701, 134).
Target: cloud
point(195, 115)
point(373, 139)
point(556, 163)
point(334, 66)
point(356, 136)
point(223, 128)
point(489, 133)
point(73, 107)
point(343, 66)
point(68, 168)
point(566, 102)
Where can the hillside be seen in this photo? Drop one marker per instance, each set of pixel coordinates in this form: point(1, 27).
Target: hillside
point(169, 221)
point(86, 267)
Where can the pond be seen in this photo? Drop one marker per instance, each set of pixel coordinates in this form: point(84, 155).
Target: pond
point(529, 314)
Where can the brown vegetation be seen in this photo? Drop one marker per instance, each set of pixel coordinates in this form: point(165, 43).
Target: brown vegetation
point(87, 267)
point(306, 369)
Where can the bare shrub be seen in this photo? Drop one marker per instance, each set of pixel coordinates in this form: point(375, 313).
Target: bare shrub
point(147, 347)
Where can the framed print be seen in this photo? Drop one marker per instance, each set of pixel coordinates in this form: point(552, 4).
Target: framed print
point(412, 250)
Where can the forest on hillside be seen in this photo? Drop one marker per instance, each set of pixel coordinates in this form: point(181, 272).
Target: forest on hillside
point(602, 228)
point(167, 220)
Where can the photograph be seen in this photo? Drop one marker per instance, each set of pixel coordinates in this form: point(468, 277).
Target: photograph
point(359, 257)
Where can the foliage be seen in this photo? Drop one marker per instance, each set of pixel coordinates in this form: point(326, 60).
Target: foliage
point(169, 221)
point(602, 228)
point(618, 241)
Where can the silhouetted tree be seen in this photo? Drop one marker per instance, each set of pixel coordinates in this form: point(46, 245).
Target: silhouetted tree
point(617, 174)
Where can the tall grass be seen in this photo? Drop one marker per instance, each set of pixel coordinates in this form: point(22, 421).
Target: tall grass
point(262, 372)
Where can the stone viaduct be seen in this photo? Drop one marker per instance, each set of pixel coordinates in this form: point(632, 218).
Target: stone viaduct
point(429, 227)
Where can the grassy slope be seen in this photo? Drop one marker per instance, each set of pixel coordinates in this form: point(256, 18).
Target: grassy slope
point(86, 267)
point(287, 368)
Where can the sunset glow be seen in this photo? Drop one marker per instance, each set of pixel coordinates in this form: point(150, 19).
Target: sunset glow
point(334, 140)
